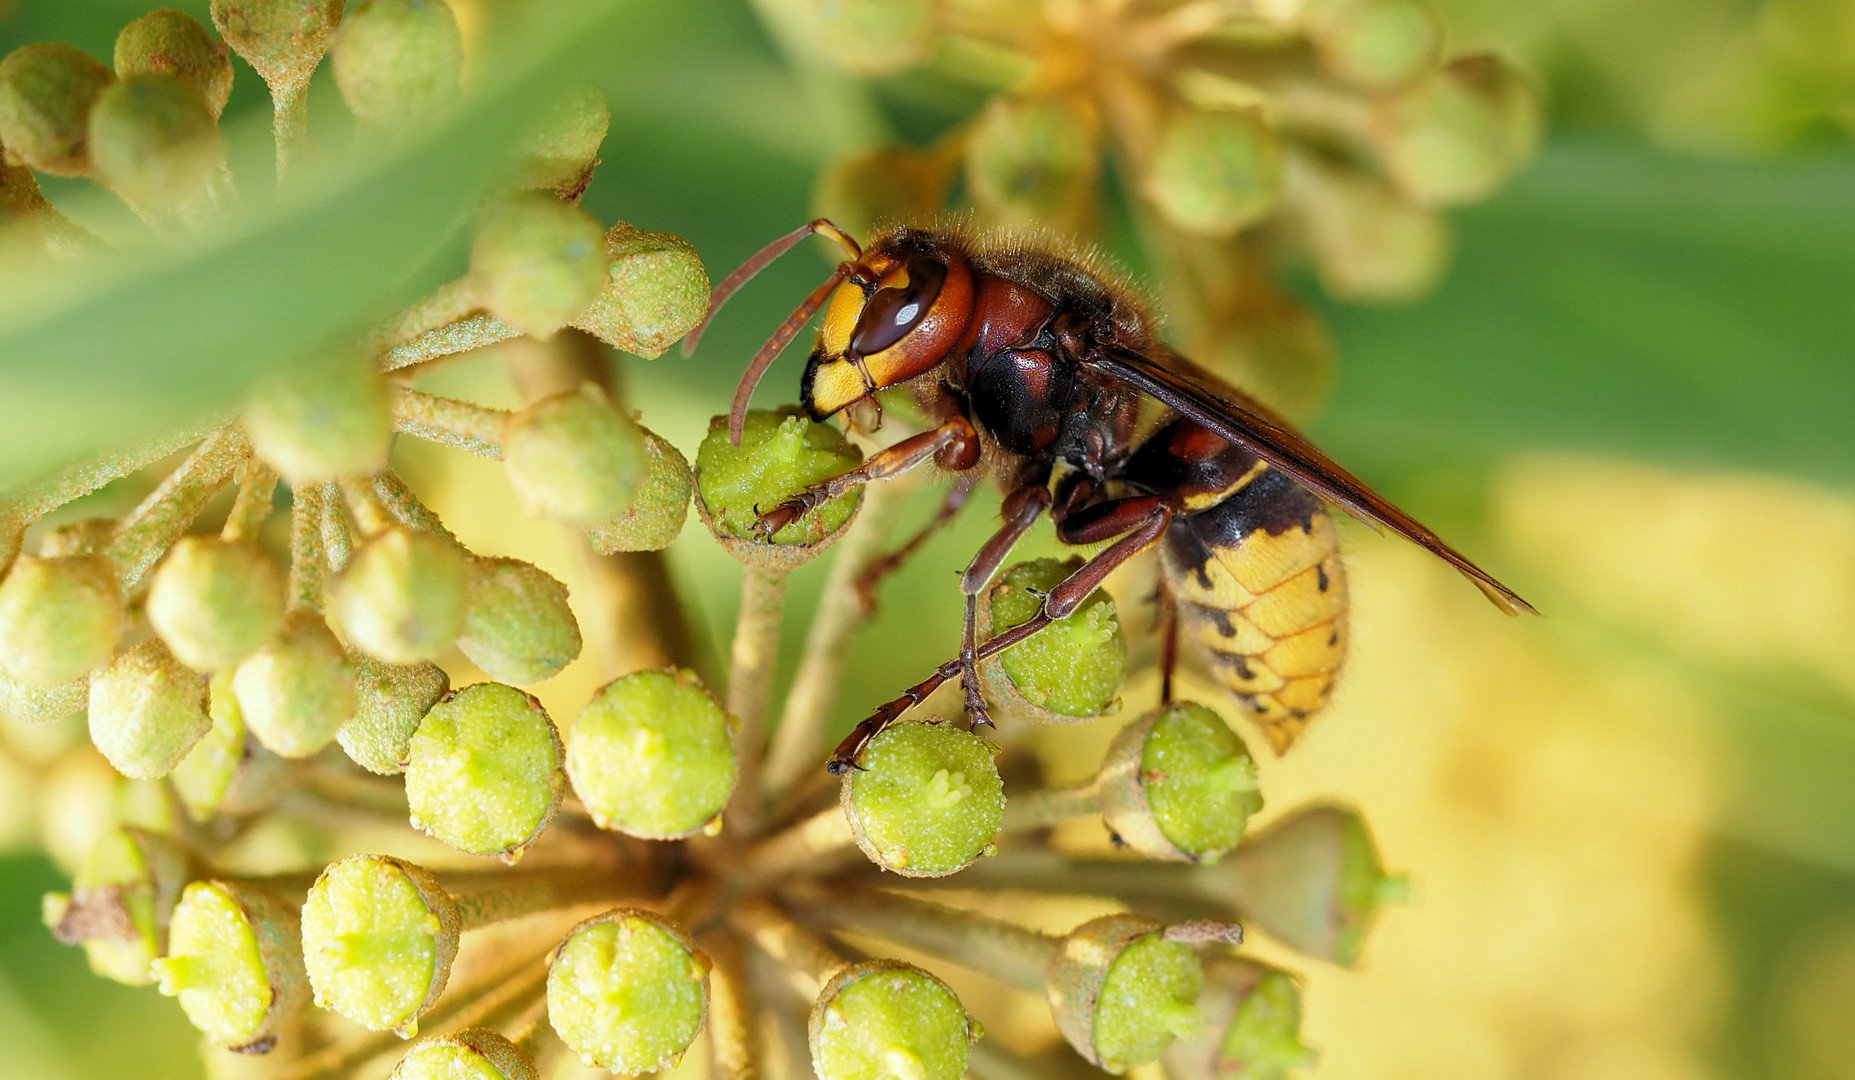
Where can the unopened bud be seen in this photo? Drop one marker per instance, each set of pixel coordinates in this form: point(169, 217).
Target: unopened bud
point(884, 1018)
point(123, 897)
point(1455, 136)
point(398, 61)
point(46, 91)
point(655, 292)
point(235, 962)
point(483, 772)
point(283, 39)
point(147, 711)
point(390, 702)
point(926, 799)
point(1313, 881)
point(1369, 242)
point(653, 755)
point(1120, 991)
point(168, 42)
point(153, 140)
point(226, 771)
point(1031, 161)
point(628, 991)
point(298, 689)
point(559, 156)
point(1178, 784)
point(781, 454)
point(1252, 1027)
point(659, 507)
point(537, 262)
point(471, 1054)
point(1070, 669)
point(1375, 44)
point(215, 602)
point(876, 37)
point(379, 935)
point(403, 596)
point(1215, 171)
point(868, 188)
point(573, 457)
point(518, 627)
point(319, 423)
point(60, 618)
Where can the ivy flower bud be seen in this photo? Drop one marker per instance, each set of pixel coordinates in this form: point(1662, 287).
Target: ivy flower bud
point(1370, 243)
point(559, 156)
point(885, 1019)
point(60, 618)
point(866, 188)
point(1032, 161)
point(319, 423)
point(471, 1054)
point(628, 991)
point(379, 936)
point(517, 626)
point(483, 772)
point(153, 140)
point(147, 711)
point(402, 597)
point(655, 292)
point(537, 262)
point(1375, 44)
point(781, 454)
point(171, 43)
point(225, 770)
point(123, 898)
point(283, 39)
point(573, 457)
point(1313, 881)
point(1178, 784)
point(46, 91)
point(876, 37)
point(235, 962)
point(1215, 171)
point(1455, 136)
point(398, 61)
point(927, 800)
point(1120, 991)
point(1068, 671)
point(298, 689)
point(215, 602)
point(659, 507)
point(652, 755)
point(390, 702)
point(1252, 1028)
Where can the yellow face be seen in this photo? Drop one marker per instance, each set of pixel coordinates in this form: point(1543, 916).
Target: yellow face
point(910, 321)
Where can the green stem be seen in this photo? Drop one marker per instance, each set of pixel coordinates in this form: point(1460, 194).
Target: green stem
point(307, 569)
point(462, 425)
point(405, 506)
point(337, 538)
point(1036, 809)
point(447, 304)
point(733, 1025)
point(458, 337)
point(799, 949)
point(818, 839)
point(1010, 953)
point(513, 896)
point(257, 484)
point(753, 657)
point(164, 516)
point(289, 125)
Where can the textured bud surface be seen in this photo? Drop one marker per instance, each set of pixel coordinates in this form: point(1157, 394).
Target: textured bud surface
point(215, 602)
point(371, 942)
point(561, 153)
point(1072, 667)
point(887, 1021)
point(627, 993)
point(320, 423)
point(1199, 779)
point(471, 1054)
point(402, 599)
point(59, 618)
point(659, 507)
point(573, 457)
point(398, 61)
point(282, 39)
point(46, 91)
point(172, 43)
point(147, 711)
point(537, 262)
point(781, 453)
point(655, 292)
point(518, 627)
point(1215, 172)
point(217, 963)
point(1263, 1039)
point(1146, 1001)
point(153, 140)
point(390, 702)
point(653, 755)
point(296, 690)
point(928, 799)
point(483, 772)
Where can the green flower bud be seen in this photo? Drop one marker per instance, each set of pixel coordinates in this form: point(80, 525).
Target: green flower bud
point(227, 771)
point(1178, 784)
point(298, 689)
point(147, 711)
point(322, 422)
point(876, 37)
point(124, 897)
point(1457, 135)
point(886, 1020)
point(927, 800)
point(868, 188)
point(781, 454)
point(1252, 1027)
point(402, 598)
point(564, 148)
point(483, 772)
point(518, 627)
point(471, 1054)
point(46, 91)
point(379, 936)
point(1370, 243)
point(573, 457)
point(538, 262)
point(1069, 670)
point(1030, 161)
point(398, 61)
point(1215, 172)
point(168, 42)
point(659, 507)
point(28, 704)
point(283, 39)
point(1312, 881)
point(60, 618)
point(215, 602)
point(390, 703)
point(653, 755)
point(655, 292)
point(1376, 44)
point(153, 140)
point(628, 991)
point(235, 962)
point(78, 803)
point(1120, 991)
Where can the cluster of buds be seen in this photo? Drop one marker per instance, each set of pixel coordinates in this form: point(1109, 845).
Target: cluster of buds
point(687, 867)
point(1249, 135)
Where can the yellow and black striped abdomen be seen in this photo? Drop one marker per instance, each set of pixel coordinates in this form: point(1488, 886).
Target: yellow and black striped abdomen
point(1259, 586)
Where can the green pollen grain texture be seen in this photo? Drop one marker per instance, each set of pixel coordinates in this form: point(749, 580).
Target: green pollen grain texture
point(483, 770)
point(1074, 665)
point(893, 1024)
point(369, 941)
point(780, 454)
point(214, 967)
point(1146, 1001)
point(1199, 780)
point(1263, 1039)
point(627, 995)
point(653, 755)
point(928, 800)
